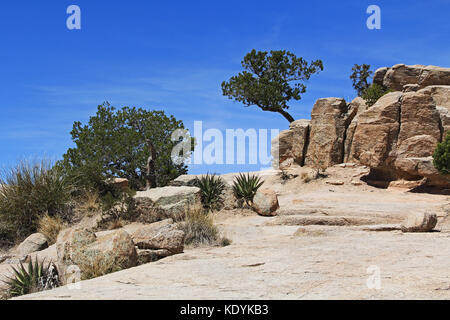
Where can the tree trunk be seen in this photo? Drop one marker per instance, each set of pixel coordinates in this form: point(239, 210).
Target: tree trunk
point(287, 116)
point(150, 176)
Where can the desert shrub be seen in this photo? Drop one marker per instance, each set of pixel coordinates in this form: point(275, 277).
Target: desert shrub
point(441, 156)
point(36, 277)
point(199, 229)
point(50, 227)
point(28, 192)
point(373, 93)
point(211, 188)
point(245, 187)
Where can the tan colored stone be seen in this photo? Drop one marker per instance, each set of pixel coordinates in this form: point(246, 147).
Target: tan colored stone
point(360, 105)
point(329, 120)
point(81, 246)
point(400, 75)
point(119, 183)
point(156, 236)
point(300, 135)
point(35, 242)
point(282, 150)
point(167, 202)
point(265, 203)
point(335, 182)
point(376, 133)
point(419, 222)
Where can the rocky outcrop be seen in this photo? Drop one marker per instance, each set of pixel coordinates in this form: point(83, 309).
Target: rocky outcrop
point(289, 148)
point(376, 132)
point(400, 75)
point(265, 203)
point(396, 137)
point(330, 118)
point(360, 106)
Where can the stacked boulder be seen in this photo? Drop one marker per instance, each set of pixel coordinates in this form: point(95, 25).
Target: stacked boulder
point(396, 137)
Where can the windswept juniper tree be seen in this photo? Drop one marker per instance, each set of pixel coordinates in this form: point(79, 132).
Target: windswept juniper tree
point(132, 143)
point(271, 80)
point(360, 78)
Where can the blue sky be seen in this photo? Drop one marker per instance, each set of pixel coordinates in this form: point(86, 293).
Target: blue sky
point(173, 55)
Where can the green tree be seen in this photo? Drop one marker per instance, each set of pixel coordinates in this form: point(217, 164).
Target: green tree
point(441, 156)
point(271, 80)
point(118, 143)
point(373, 93)
point(360, 78)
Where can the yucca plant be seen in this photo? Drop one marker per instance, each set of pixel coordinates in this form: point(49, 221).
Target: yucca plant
point(28, 192)
point(211, 187)
point(245, 187)
point(36, 277)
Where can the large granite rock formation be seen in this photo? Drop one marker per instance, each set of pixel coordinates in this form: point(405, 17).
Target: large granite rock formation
point(400, 75)
point(396, 137)
point(290, 146)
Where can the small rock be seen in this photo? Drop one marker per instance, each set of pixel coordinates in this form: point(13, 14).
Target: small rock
point(186, 180)
point(356, 183)
point(420, 222)
point(148, 255)
point(156, 236)
point(170, 202)
point(35, 242)
point(119, 183)
point(265, 203)
point(335, 182)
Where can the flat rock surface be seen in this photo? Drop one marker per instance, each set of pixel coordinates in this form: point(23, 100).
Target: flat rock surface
point(318, 262)
point(272, 263)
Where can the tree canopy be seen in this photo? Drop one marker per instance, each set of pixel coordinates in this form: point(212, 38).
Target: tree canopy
point(115, 143)
point(271, 80)
point(360, 78)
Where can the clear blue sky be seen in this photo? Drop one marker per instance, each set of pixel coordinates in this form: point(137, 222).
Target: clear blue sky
point(173, 55)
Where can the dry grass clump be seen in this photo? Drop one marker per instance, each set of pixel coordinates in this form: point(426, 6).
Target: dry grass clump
point(90, 203)
point(50, 227)
point(306, 177)
point(199, 229)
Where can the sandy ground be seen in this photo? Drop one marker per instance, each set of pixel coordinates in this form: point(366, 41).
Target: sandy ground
point(317, 262)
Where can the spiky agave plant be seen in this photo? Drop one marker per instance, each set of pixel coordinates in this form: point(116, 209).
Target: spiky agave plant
point(245, 187)
point(212, 188)
point(36, 277)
